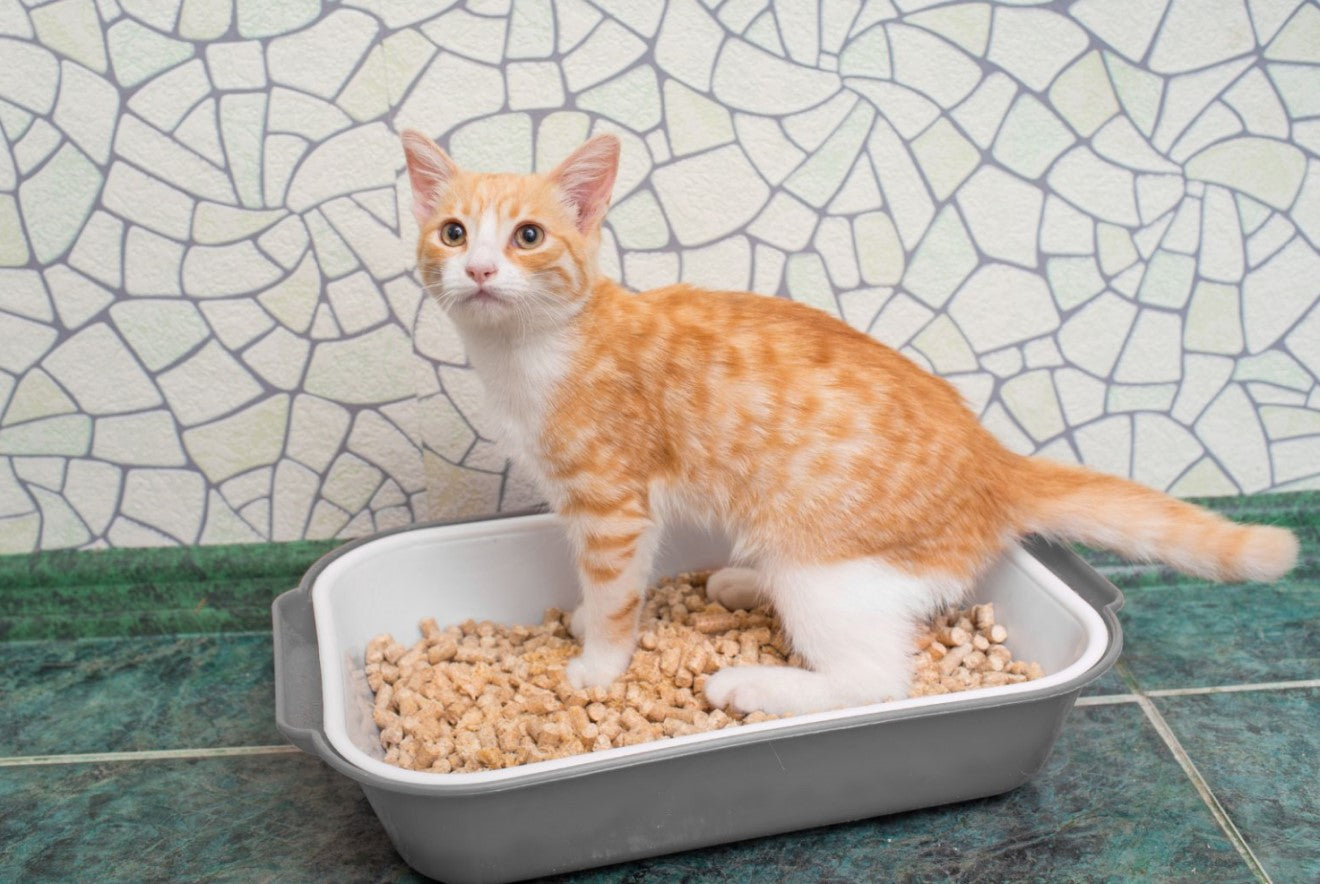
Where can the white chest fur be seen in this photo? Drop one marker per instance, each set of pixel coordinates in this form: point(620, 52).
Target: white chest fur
point(520, 374)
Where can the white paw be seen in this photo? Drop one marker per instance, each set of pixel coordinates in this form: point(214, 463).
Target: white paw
point(734, 588)
point(577, 624)
point(739, 689)
point(592, 670)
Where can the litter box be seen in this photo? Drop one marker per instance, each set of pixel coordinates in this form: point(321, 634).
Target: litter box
point(674, 794)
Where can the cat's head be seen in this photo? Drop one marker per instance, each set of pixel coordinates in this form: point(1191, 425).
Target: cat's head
point(499, 249)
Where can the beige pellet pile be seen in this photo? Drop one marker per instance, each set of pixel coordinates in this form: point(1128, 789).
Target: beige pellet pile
point(483, 696)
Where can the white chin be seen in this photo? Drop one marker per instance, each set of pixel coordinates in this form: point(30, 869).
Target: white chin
point(482, 310)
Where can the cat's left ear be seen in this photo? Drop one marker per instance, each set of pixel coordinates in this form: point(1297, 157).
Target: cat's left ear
point(587, 178)
point(429, 170)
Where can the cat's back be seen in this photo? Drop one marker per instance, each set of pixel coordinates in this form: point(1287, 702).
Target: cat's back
point(680, 329)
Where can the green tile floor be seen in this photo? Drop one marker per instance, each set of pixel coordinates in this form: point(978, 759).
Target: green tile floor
point(137, 741)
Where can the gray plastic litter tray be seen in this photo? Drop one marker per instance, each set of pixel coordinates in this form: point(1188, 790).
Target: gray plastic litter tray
point(674, 794)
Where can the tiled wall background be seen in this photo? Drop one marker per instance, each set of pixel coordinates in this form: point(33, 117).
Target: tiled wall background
point(1099, 218)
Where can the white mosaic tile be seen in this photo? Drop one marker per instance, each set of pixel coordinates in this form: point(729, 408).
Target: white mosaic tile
point(36, 395)
point(86, 110)
point(899, 320)
point(812, 127)
point(696, 123)
point(1151, 354)
point(77, 299)
point(1096, 186)
point(154, 264)
point(1073, 280)
point(158, 331)
point(1163, 449)
point(631, 99)
point(1003, 214)
point(478, 37)
point(23, 292)
point(905, 193)
point(693, 218)
point(1000, 305)
point(1279, 292)
point(1185, 44)
point(435, 107)
point(749, 79)
point(1034, 45)
point(1229, 429)
point(725, 265)
point(1268, 239)
point(1139, 397)
point(380, 442)
point(279, 358)
point(773, 154)
point(207, 385)
point(1093, 337)
point(100, 372)
point(147, 438)
point(945, 156)
point(1030, 138)
point(610, 49)
point(373, 367)
point(138, 197)
point(56, 200)
point(1032, 400)
point(295, 489)
point(534, 84)
point(1215, 123)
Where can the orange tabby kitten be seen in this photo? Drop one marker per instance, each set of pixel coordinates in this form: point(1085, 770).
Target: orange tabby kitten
point(860, 487)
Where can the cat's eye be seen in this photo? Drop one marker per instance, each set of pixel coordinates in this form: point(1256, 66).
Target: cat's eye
point(528, 236)
point(452, 233)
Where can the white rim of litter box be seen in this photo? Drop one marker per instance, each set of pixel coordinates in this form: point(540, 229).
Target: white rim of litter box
point(334, 719)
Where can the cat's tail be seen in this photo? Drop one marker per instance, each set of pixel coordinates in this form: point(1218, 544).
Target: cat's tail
point(1076, 504)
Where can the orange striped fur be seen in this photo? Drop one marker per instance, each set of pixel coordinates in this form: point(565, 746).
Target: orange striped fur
point(833, 461)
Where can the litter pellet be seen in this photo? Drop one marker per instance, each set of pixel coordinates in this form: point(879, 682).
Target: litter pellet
point(483, 696)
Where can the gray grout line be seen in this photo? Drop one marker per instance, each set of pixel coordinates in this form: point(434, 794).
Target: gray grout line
point(1203, 789)
point(1113, 699)
point(1106, 699)
point(144, 755)
point(1235, 688)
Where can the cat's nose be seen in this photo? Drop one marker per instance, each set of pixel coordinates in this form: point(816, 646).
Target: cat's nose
point(480, 272)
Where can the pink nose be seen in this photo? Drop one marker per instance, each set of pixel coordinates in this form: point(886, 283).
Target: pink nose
point(480, 272)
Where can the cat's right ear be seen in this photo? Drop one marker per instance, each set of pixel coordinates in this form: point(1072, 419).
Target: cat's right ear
point(429, 170)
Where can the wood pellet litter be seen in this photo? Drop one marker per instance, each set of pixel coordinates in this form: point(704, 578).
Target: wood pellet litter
point(483, 696)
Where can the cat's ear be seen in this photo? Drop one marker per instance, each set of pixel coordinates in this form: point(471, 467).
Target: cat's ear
point(587, 178)
point(429, 169)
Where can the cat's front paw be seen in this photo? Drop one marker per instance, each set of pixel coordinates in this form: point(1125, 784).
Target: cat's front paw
point(596, 669)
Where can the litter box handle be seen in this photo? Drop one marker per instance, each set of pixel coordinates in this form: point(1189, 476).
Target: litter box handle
point(297, 670)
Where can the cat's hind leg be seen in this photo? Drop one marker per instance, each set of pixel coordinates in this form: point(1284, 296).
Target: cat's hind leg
point(735, 588)
point(854, 623)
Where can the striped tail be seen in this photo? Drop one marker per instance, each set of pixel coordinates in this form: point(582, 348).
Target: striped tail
point(1143, 525)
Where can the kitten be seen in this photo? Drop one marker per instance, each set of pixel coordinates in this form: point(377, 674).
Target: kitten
point(860, 487)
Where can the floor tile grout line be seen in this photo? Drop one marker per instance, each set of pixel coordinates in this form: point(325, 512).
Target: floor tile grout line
point(1217, 811)
point(1235, 688)
point(1106, 699)
point(144, 755)
point(1134, 696)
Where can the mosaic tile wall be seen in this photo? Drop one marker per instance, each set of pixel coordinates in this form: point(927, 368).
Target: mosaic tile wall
point(1100, 219)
